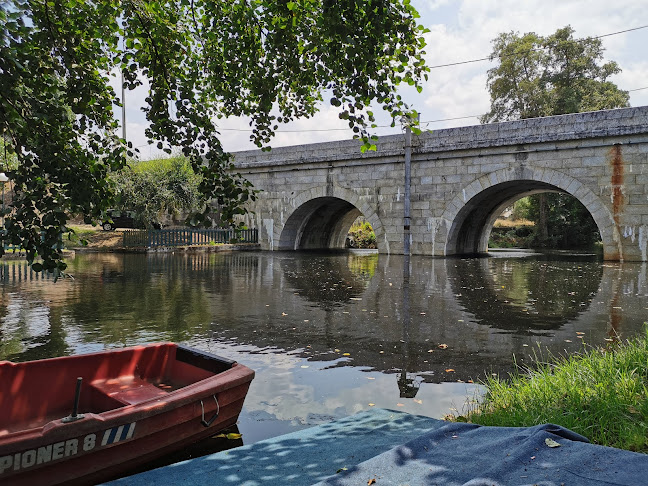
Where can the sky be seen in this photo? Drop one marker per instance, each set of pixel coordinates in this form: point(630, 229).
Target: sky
point(462, 30)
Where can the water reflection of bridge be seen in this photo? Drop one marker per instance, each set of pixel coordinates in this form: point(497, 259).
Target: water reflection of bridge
point(324, 306)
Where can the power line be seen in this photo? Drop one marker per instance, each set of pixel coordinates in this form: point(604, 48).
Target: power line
point(438, 120)
point(435, 67)
point(489, 58)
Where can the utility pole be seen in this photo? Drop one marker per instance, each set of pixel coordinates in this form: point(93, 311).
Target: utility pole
point(123, 107)
point(123, 91)
point(407, 235)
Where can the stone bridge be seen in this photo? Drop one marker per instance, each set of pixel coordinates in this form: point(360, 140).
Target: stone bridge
point(461, 180)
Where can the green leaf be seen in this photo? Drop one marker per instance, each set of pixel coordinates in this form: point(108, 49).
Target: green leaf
point(551, 443)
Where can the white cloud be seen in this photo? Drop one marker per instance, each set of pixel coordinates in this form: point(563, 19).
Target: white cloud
point(460, 90)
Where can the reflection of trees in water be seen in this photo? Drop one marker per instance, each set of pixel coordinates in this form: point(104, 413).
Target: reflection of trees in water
point(114, 300)
point(151, 297)
point(30, 327)
point(524, 295)
point(330, 281)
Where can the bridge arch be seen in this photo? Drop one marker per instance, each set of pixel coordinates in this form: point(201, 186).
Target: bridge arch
point(322, 218)
point(471, 214)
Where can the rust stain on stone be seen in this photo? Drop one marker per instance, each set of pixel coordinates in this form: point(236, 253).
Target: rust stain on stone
point(616, 161)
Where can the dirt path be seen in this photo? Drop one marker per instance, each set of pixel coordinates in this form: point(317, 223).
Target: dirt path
point(100, 238)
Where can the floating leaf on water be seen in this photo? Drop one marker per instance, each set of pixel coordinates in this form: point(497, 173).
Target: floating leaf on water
point(306, 320)
point(430, 350)
point(525, 345)
point(443, 346)
point(372, 404)
point(581, 333)
point(568, 340)
point(371, 481)
point(337, 350)
point(304, 366)
point(355, 298)
point(231, 436)
point(400, 404)
point(420, 402)
point(370, 378)
point(382, 352)
point(449, 370)
point(346, 354)
point(340, 470)
point(284, 314)
point(551, 443)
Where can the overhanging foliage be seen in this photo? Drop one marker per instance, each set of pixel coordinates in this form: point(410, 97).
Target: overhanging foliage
point(271, 60)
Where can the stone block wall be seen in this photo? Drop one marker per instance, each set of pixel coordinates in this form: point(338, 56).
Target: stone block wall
point(461, 177)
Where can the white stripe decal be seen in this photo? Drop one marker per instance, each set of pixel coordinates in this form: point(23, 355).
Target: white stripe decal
point(118, 434)
point(131, 431)
point(104, 441)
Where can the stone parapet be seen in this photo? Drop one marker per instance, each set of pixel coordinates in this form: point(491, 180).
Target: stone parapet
point(563, 128)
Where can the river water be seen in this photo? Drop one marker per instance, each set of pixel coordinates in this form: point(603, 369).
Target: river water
point(330, 334)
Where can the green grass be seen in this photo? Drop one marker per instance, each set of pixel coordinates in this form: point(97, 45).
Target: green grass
point(601, 394)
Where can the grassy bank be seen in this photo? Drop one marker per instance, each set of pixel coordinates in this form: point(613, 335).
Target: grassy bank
point(601, 394)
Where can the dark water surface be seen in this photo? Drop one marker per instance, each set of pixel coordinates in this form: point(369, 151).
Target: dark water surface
point(330, 334)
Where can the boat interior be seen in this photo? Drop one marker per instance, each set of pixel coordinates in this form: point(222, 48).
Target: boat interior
point(35, 393)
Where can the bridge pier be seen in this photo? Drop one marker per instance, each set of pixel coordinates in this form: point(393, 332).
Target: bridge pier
point(461, 180)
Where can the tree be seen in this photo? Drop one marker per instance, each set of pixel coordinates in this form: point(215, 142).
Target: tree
point(154, 187)
point(568, 224)
point(271, 60)
point(544, 76)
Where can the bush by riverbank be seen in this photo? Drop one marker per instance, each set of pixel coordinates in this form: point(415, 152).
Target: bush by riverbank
point(361, 235)
point(601, 394)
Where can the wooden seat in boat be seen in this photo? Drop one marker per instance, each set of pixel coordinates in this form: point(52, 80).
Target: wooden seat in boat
point(129, 389)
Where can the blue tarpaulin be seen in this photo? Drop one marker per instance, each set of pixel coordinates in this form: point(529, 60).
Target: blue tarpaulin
point(385, 448)
point(467, 454)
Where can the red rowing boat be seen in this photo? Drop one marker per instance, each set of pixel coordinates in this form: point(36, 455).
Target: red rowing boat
point(89, 418)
